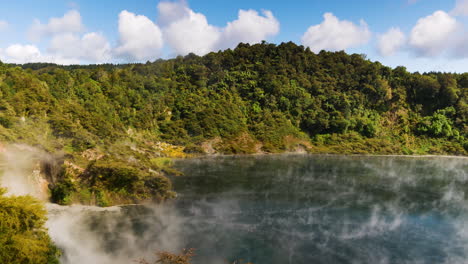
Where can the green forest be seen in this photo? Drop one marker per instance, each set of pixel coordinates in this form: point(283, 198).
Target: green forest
point(255, 98)
point(114, 129)
point(118, 126)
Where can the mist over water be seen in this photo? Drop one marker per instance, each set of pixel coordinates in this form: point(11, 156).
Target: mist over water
point(113, 235)
point(328, 209)
point(286, 209)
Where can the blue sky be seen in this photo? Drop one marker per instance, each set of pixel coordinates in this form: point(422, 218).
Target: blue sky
point(422, 35)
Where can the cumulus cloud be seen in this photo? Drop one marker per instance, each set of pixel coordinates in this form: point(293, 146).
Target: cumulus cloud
point(169, 12)
point(139, 38)
point(459, 47)
point(69, 23)
point(65, 41)
point(334, 34)
point(95, 47)
point(390, 42)
point(461, 8)
point(182, 29)
point(18, 53)
point(250, 27)
point(432, 35)
point(190, 33)
point(187, 31)
point(92, 47)
point(3, 25)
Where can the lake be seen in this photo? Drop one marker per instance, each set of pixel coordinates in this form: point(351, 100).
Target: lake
point(287, 209)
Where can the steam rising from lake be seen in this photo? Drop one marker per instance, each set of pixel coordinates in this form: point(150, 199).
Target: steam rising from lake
point(286, 209)
point(113, 235)
point(20, 167)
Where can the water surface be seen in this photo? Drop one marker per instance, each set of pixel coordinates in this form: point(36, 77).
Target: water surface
point(326, 209)
point(300, 209)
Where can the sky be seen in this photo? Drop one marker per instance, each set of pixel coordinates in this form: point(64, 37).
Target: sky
point(422, 35)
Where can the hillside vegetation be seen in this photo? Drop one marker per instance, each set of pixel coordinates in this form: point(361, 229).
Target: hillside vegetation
point(261, 98)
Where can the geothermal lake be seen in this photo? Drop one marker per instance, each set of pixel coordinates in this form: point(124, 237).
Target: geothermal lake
point(287, 209)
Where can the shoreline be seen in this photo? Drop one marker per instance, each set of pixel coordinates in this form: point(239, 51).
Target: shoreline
point(202, 156)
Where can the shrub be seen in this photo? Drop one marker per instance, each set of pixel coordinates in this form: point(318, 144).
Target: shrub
point(23, 237)
point(116, 180)
point(161, 163)
point(61, 192)
point(165, 257)
point(438, 125)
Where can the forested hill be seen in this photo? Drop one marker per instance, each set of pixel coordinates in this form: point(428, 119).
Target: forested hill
point(259, 98)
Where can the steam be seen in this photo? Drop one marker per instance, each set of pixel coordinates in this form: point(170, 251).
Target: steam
point(115, 235)
point(88, 234)
point(21, 171)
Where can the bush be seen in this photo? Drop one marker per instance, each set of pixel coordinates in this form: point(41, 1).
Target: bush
point(6, 121)
point(438, 125)
point(161, 163)
point(115, 180)
point(113, 176)
point(61, 192)
point(23, 237)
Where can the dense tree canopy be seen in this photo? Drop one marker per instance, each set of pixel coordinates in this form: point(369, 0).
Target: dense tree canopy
point(251, 96)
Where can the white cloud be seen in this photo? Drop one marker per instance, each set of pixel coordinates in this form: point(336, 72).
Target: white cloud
point(432, 35)
point(18, 53)
point(95, 47)
point(459, 47)
point(65, 43)
point(140, 39)
point(187, 31)
point(390, 42)
point(3, 25)
point(169, 12)
point(250, 27)
point(69, 23)
point(91, 48)
point(334, 34)
point(461, 8)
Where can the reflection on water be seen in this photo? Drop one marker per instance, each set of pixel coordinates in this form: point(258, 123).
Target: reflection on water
point(297, 209)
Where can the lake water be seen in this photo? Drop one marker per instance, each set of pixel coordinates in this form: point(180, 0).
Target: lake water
point(288, 209)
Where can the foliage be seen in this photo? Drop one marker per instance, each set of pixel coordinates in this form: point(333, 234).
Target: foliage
point(252, 98)
point(161, 162)
point(62, 191)
point(23, 237)
point(439, 124)
point(122, 181)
